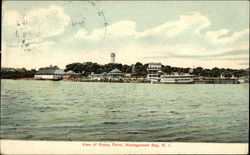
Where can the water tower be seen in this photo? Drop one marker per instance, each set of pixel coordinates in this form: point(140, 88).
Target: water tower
point(112, 56)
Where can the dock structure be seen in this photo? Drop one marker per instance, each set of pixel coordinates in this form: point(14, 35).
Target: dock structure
point(216, 81)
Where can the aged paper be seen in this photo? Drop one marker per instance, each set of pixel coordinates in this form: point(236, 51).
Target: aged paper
point(125, 77)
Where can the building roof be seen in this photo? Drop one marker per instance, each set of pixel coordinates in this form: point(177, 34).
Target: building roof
point(102, 74)
point(154, 63)
point(59, 71)
point(71, 72)
point(115, 71)
point(49, 71)
point(45, 72)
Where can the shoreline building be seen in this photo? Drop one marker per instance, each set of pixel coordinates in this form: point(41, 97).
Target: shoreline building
point(98, 77)
point(71, 73)
point(53, 73)
point(154, 70)
point(112, 58)
point(155, 75)
point(49, 73)
point(114, 74)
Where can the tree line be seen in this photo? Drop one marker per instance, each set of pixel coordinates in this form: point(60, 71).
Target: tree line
point(17, 73)
point(139, 69)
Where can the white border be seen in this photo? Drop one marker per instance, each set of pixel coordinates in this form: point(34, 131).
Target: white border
point(57, 147)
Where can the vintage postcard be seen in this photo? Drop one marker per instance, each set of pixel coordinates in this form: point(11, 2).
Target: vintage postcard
point(120, 77)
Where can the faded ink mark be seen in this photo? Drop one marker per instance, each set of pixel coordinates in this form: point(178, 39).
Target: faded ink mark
point(22, 36)
point(100, 13)
point(82, 22)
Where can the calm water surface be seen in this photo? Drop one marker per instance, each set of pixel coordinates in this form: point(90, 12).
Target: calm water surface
point(77, 111)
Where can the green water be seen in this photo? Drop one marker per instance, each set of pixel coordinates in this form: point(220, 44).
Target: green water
point(78, 111)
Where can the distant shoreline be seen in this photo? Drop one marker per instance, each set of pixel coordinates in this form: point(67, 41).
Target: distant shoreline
point(31, 78)
point(141, 80)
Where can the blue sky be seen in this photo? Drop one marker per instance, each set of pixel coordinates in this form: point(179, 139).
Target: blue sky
point(184, 34)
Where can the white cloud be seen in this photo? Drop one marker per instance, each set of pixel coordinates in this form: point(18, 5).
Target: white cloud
point(216, 37)
point(116, 30)
point(193, 21)
point(47, 22)
point(35, 25)
point(10, 18)
point(179, 37)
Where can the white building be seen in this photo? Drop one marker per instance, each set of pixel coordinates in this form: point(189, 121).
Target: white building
point(71, 73)
point(98, 77)
point(154, 70)
point(114, 74)
point(49, 73)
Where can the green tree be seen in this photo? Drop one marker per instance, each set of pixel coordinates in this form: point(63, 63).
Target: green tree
point(140, 69)
point(198, 71)
point(215, 72)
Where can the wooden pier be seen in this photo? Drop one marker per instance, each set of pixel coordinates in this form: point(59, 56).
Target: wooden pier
point(215, 81)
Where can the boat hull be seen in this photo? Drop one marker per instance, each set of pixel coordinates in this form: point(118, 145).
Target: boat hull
point(174, 79)
point(191, 82)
